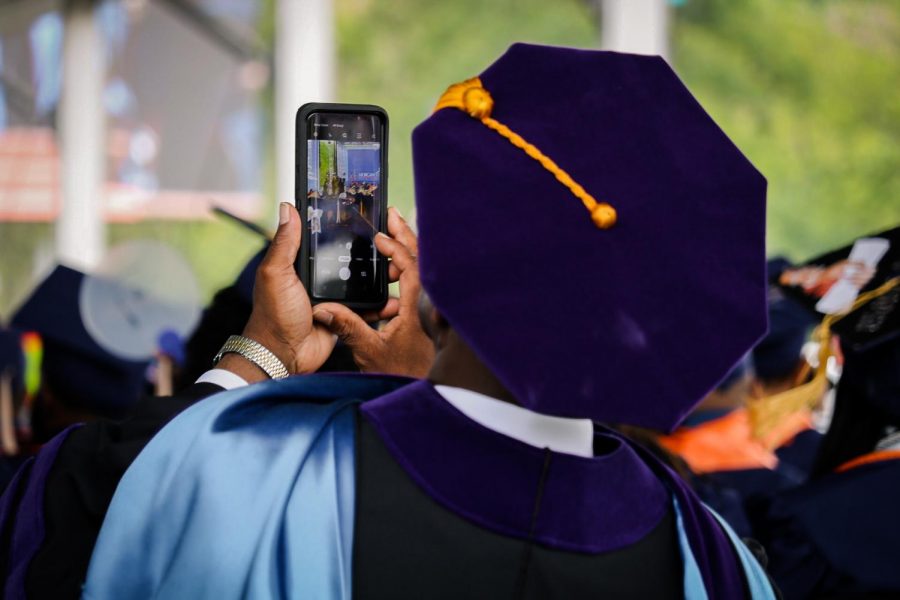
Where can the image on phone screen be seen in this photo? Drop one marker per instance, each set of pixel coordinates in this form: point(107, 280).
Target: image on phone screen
point(344, 203)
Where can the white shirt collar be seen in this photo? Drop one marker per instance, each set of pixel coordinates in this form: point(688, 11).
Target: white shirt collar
point(569, 436)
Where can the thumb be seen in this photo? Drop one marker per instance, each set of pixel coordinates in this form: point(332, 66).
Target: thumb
point(345, 323)
point(286, 242)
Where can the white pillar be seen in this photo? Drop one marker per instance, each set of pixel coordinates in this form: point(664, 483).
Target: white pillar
point(635, 26)
point(304, 72)
point(80, 229)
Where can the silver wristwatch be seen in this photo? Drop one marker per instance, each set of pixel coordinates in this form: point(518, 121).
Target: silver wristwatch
point(256, 353)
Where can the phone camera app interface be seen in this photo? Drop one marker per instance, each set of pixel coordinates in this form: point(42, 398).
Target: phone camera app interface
point(344, 204)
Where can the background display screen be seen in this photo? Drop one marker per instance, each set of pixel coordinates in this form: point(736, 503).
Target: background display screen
point(344, 205)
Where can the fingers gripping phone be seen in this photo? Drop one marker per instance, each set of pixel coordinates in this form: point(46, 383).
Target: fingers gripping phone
point(341, 194)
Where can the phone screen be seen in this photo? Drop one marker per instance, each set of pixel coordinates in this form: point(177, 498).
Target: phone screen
point(344, 205)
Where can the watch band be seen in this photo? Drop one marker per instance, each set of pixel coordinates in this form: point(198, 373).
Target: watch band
point(256, 353)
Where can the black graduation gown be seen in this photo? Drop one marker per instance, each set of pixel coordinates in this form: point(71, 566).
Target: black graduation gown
point(444, 507)
point(79, 486)
point(391, 513)
point(838, 536)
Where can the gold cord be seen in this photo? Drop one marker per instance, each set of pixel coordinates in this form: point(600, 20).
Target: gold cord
point(470, 97)
point(767, 413)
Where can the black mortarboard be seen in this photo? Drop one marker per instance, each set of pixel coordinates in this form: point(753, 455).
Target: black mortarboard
point(77, 370)
point(832, 282)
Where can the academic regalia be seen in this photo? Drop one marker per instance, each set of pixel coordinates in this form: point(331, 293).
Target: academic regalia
point(797, 455)
point(732, 465)
point(775, 358)
point(77, 379)
point(274, 490)
point(84, 464)
point(77, 374)
point(728, 468)
point(339, 495)
point(837, 535)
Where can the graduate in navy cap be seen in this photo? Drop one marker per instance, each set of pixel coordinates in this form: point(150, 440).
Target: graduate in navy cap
point(547, 311)
point(837, 535)
point(54, 512)
point(726, 465)
point(779, 366)
point(731, 463)
point(80, 380)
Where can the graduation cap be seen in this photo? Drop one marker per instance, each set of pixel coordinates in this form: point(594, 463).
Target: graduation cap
point(75, 367)
point(591, 233)
point(856, 292)
point(832, 283)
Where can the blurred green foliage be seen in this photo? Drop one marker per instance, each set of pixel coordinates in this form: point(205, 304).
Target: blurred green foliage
point(403, 54)
point(808, 90)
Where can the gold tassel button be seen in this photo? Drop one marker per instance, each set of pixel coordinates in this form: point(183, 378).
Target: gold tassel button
point(603, 215)
point(477, 102)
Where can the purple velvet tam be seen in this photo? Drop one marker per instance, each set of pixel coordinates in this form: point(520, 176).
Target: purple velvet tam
point(633, 324)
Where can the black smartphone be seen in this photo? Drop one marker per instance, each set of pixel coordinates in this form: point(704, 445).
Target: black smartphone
point(341, 194)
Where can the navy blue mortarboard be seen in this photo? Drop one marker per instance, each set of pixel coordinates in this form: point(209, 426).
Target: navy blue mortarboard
point(834, 283)
point(776, 266)
point(776, 356)
point(855, 291)
point(591, 233)
point(75, 368)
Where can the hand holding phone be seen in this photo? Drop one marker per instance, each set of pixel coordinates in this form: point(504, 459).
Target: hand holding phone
point(282, 315)
point(401, 347)
point(341, 197)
